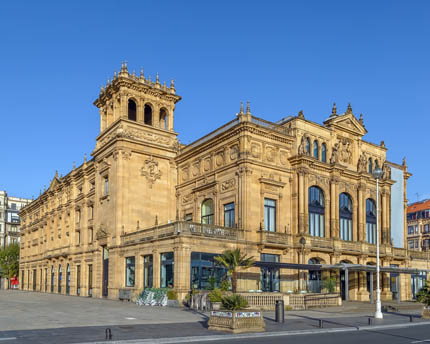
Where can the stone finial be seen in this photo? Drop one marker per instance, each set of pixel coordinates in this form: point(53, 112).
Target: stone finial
point(134, 74)
point(172, 86)
point(114, 74)
point(241, 108)
point(361, 120)
point(149, 78)
point(125, 66)
point(300, 115)
point(122, 66)
point(85, 158)
point(157, 79)
point(74, 166)
point(44, 188)
point(141, 74)
point(333, 110)
point(248, 108)
point(56, 174)
point(156, 220)
point(107, 83)
point(382, 144)
point(349, 109)
point(404, 162)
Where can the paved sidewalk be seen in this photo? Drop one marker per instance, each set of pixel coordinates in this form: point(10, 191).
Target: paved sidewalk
point(46, 318)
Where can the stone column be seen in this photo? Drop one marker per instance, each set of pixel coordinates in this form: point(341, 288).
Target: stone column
point(361, 215)
point(156, 268)
point(384, 229)
point(182, 269)
point(301, 201)
point(386, 293)
point(333, 203)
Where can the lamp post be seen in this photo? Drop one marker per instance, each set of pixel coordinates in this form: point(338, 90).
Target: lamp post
point(377, 174)
point(301, 274)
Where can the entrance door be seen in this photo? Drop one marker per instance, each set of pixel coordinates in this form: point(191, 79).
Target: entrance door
point(342, 284)
point(105, 272)
point(269, 279)
point(34, 279)
point(68, 280)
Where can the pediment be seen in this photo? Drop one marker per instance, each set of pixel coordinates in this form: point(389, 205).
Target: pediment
point(346, 122)
point(54, 183)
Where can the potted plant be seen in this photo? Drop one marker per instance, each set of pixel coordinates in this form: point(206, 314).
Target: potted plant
point(215, 296)
point(423, 296)
point(235, 318)
point(329, 283)
point(172, 298)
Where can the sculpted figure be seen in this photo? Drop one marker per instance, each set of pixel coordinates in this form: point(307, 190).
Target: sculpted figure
point(386, 171)
point(335, 154)
point(302, 146)
point(362, 162)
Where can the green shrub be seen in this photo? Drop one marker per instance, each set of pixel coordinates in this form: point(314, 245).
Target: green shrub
point(423, 295)
point(288, 308)
point(234, 302)
point(225, 284)
point(171, 295)
point(329, 283)
point(215, 295)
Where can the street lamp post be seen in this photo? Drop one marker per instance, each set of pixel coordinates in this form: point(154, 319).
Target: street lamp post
point(377, 174)
point(301, 274)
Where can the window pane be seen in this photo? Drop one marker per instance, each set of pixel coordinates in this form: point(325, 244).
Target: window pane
point(129, 271)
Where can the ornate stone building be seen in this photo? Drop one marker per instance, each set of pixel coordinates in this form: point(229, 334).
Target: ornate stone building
point(419, 226)
point(147, 211)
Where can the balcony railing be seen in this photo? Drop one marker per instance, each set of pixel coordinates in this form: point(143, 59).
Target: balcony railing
point(177, 228)
point(267, 237)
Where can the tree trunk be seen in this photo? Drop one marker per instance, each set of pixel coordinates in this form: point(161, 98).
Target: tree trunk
point(233, 282)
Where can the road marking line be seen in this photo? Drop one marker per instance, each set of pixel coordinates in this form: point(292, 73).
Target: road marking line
point(9, 338)
point(421, 341)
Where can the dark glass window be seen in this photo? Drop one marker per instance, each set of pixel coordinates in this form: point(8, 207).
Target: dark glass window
point(167, 272)
point(129, 271)
point(308, 145)
point(205, 274)
point(315, 149)
point(188, 217)
point(208, 212)
point(345, 212)
point(229, 215)
point(269, 215)
point(323, 152)
point(131, 110)
point(147, 271)
point(270, 277)
point(370, 221)
point(316, 210)
point(148, 115)
point(370, 167)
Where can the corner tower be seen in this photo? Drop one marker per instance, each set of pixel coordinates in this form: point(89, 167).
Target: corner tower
point(134, 155)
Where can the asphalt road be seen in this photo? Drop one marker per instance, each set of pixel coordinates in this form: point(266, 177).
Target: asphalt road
point(409, 335)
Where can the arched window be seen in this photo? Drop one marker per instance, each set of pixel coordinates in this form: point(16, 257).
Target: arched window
point(316, 212)
point(147, 117)
point(370, 168)
point(314, 277)
point(345, 213)
point(131, 110)
point(60, 277)
point(323, 153)
point(370, 221)
point(376, 164)
point(208, 212)
point(315, 149)
point(163, 119)
point(308, 146)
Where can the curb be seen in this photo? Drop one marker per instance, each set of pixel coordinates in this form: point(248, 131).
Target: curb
point(211, 338)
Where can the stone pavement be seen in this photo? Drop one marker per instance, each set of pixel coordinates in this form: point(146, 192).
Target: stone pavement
point(49, 318)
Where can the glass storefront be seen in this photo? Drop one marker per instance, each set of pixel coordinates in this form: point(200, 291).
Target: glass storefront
point(270, 277)
point(417, 282)
point(167, 270)
point(204, 273)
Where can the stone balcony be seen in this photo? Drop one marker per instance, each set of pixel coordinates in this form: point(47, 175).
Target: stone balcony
point(182, 228)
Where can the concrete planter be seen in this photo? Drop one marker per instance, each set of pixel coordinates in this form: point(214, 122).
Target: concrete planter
point(216, 306)
point(172, 303)
point(425, 313)
point(240, 321)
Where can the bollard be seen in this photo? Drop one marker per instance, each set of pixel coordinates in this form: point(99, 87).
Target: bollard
point(321, 323)
point(279, 311)
point(108, 333)
point(369, 321)
point(411, 318)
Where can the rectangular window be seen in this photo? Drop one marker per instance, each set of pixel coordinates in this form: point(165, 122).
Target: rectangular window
point(416, 243)
point(129, 271)
point(78, 280)
point(13, 206)
point(269, 215)
point(166, 275)
point(426, 228)
point(147, 271)
point(229, 215)
point(416, 228)
point(189, 217)
point(205, 274)
point(410, 229)
point(106, 182)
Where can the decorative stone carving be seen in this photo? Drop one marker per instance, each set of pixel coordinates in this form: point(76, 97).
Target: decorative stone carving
point(195, 170)
point(362, 163)
point(207, 164)
point(151, 171)
point(185, 175)
point(386, 171)
point(219, 159)
point(256, 150)
point(270, 154)
point(302, 146)
point(187, 198)
point(228, 185)
point(334, 159)
point(283, 157)
point(234, 152)
point(346, 154)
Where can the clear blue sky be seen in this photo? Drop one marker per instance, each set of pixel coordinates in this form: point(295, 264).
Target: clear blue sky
point(283, 56)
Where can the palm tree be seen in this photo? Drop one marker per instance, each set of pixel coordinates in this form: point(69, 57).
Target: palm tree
point(233, 260)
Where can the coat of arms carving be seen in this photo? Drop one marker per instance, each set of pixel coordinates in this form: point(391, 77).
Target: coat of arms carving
point(151, 171)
